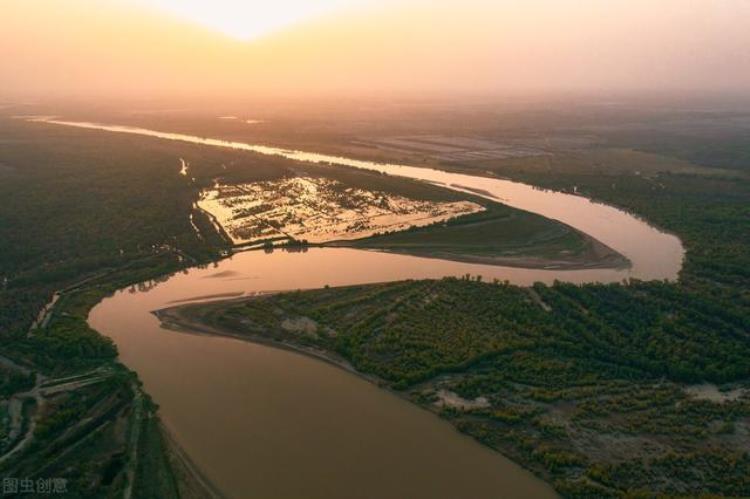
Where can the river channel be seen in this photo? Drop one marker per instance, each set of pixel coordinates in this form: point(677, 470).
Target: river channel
point(269, 423)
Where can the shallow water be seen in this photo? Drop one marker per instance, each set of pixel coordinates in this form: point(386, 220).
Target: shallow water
point(263, 422)
point(655, 255)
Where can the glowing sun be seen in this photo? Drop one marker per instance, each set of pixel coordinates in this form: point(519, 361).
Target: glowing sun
point(246, 19)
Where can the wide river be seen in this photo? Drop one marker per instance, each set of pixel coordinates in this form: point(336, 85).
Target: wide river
point(268, 423)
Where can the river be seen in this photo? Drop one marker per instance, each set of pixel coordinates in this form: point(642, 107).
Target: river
point(268, 423)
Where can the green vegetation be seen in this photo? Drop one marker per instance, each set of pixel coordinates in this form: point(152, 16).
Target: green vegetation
point(78, 205)
point(12, 381)
point(154, 474)
point(85, 214)
point(727, 147)
point(580, 394)
point(589, 386)
point(500, 235)
point(73, 428)
point(597, 388)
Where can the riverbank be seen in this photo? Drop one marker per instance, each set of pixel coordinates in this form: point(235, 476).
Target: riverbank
point(182, 319)
point(593, 255)
point(275, 397)
point(579, 411)
point(659, 259)
point(190, 480)
point(193, 319)
point(567, 207)
point(324, 207)
point(702, 310)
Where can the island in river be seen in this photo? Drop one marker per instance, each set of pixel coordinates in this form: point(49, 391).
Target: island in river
point(73, 197)
point(302, 210)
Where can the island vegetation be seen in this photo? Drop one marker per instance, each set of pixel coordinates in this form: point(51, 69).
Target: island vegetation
point(86, 214)
point(638, 388)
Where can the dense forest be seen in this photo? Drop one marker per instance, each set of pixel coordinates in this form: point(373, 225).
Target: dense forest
point(84, 214)
point(598, 388)
point(630, 389)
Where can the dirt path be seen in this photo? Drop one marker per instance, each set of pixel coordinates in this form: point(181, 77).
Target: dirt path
point(43, 387)
point(9, 364)
point(45, 314)
point(538, 299)
point(135, 435)
point(17, 399)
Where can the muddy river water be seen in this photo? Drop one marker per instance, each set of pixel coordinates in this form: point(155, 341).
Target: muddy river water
point(268, 423)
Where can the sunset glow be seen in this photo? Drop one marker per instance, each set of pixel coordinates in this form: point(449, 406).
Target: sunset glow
point(303, 48)
point(433, 249)
point(249, 19)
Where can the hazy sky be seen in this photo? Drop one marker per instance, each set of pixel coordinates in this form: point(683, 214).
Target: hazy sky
point(243, 48)
point(247, 20)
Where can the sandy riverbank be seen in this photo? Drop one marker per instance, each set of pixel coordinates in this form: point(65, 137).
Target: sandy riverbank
point(597, 256)
point(179, 319)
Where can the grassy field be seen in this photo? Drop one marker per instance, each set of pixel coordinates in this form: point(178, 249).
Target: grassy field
point(500, 236)
point(575, 136)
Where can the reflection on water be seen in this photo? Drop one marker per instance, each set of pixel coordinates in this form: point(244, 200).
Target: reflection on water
point(654, 254)
point(263, 422)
